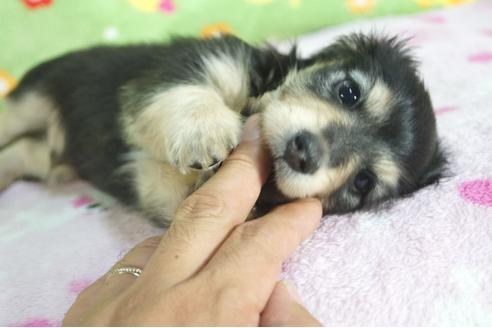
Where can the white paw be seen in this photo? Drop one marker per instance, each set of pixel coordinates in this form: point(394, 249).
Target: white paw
point(203, 141)
point(6, 180)
point(61, 174)
point(189, 126)
point(8, 170)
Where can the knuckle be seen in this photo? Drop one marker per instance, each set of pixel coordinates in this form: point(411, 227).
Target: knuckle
point(200, 205)
point(245, 232)
point(252, 233)
point(240, 161)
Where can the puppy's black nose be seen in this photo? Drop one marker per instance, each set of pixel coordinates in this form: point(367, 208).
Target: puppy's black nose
point(303, 153)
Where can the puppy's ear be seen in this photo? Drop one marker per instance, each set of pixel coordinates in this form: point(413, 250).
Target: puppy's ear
point(368, 48)
point(437, 168)
point(343, 46)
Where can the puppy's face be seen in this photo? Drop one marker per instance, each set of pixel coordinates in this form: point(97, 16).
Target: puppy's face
point(353, 125)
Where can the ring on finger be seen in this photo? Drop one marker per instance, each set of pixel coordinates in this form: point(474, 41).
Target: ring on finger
point(125, 269)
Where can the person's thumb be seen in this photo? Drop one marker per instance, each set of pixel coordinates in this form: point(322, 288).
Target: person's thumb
point(285, 309)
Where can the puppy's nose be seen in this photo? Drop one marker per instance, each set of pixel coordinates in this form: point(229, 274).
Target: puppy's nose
point(303, 153)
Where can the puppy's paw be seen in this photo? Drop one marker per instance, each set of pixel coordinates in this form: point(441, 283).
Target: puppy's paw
point(189, 127)
point(6, 180)
point(204, 140)
point(9, 169)
point(61, 174)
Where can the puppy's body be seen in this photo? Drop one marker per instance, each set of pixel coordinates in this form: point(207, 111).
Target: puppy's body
point(146, 123)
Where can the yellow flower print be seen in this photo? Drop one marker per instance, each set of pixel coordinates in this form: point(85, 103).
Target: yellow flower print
point(360, 6)
point(145, 5)
point(295, 3)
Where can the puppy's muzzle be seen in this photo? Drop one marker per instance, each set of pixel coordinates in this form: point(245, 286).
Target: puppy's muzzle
point(303, 153)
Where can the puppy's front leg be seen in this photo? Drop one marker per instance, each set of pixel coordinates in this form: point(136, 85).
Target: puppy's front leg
point(188, 126)
point(192, 125)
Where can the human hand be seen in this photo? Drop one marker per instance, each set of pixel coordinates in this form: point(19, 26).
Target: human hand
point(210, 267)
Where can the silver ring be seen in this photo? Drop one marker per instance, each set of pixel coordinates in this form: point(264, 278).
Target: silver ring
point(125, 269)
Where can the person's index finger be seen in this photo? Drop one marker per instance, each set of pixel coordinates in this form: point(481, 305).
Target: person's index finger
point(237, 184)
point(258, 249)
point(247, 167)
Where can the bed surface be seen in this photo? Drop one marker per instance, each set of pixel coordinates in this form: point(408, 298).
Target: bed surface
point(424, 260)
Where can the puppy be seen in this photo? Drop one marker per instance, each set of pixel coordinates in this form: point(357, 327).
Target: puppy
point(352, 125)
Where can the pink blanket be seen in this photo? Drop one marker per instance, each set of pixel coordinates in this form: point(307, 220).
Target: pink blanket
point(425, 260)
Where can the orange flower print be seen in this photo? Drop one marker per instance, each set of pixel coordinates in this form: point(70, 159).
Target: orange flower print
point(7, 83)
point(456, 2)
point(215, 30)
point(433, 3)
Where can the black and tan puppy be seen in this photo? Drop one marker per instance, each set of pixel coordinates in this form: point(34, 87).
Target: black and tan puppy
point(352, 125)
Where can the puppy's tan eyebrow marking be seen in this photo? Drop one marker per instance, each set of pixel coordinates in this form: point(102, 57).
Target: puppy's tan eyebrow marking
point(362, 79)
point(379, 100)
point(324, 113)
point(387, 170)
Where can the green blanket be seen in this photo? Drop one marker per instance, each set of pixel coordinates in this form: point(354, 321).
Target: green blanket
point(35, 30)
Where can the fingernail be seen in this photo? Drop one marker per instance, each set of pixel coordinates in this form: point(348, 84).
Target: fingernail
point(251, 130)
point(291, 289)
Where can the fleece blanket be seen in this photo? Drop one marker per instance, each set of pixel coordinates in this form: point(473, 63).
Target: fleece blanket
point(423, 260)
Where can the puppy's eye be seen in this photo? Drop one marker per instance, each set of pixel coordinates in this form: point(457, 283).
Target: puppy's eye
point(364, 181)
point(349, 93)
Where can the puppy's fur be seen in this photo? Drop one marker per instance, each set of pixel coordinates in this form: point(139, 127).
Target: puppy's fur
point(352, 125)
